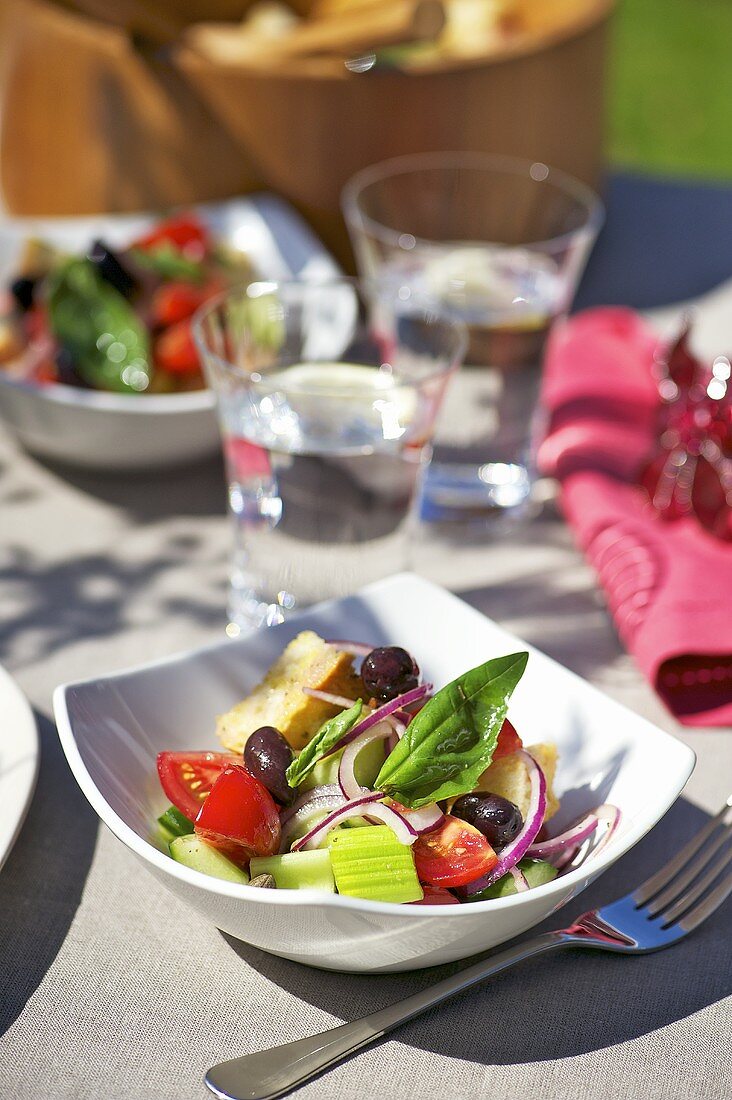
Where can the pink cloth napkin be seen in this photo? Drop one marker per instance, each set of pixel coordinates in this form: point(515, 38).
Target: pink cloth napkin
point(668, 585)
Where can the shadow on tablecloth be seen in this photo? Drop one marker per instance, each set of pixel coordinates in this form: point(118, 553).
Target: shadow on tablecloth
point(42, 881)
point(556, 1007)
point(198, 489)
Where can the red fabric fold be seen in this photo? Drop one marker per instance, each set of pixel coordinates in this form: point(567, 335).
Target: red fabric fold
point(668, 585)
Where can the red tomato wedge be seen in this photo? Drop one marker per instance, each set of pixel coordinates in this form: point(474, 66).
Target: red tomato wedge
point(185, 231)
point(187, 777)
point(239, 817)
point(508, 741)
point(436, 895)
point(175, 350)
point(453, 855)
point(173, 302)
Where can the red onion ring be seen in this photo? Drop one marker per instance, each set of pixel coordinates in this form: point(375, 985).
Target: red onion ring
point(565, 858)
point(520, 879)
point(323, 803)
point(356, 808)
point(329, 790)
point(396, 723)
point(571, 838)
point(425, 819)
point(347, 781)
point(520, 844)
point(379, 714)
point(327, 697)
point(609, 816)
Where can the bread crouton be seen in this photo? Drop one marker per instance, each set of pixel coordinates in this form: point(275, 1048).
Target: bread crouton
point(509, 777)
point(279, 700)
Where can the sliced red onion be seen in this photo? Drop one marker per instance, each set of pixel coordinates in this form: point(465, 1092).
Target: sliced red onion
point(329, 790)
point(347, 781)
point(571, 838)
point(327, 697)
point(357, 649)
point(368, 804)
point(521, 843)
point(396, 723)
point(324, 804)
point(520, 879)
point(604, 815)
point(565, 858)
point(379, 714)
point(610, 817)
point(424, 820)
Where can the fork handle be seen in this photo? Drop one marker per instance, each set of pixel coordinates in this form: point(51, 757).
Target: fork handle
point(273, 1072)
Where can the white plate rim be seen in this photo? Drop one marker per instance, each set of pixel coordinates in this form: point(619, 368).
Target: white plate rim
point(19, 747)
point(149, 853)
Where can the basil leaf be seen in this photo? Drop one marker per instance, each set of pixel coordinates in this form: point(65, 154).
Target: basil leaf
point(450, 743)
point(107, 340)
point(168, 263)
point(327, 736)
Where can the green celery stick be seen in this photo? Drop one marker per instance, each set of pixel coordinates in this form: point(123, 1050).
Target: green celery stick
point(371, 863)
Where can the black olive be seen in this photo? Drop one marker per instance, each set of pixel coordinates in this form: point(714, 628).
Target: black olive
point(495, 817)
point(111, 268)
point(267, 756)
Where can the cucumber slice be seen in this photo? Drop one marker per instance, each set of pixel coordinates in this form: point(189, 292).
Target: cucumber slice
point(195, 853)
point(297, 870)
point(163, 836)
point(367, 767)
point(372, 863)
point(175, 823)
point(536, 872)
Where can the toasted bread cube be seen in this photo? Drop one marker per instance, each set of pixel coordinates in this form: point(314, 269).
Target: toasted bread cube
point(279, 700)
point(509, 777)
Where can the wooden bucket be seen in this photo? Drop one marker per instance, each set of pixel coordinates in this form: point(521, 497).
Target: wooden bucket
point(89, 123)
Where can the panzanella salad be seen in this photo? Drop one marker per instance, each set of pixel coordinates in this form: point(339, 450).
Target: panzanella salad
point(346, 772)
point(116, 319)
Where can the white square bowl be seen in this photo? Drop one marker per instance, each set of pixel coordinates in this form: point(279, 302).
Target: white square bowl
point(111, 729)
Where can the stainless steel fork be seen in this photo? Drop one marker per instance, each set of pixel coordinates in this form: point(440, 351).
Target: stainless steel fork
point(663, 910)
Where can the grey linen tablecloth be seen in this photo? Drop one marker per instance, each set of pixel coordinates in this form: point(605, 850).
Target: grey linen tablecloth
point(110, 988)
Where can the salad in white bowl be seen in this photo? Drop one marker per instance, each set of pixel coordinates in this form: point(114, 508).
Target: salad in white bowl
point(346, 773)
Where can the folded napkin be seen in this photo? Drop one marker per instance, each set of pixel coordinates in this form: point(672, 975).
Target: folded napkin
point(668, 584)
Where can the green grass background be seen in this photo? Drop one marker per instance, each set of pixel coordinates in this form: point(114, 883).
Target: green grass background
point(670, 88)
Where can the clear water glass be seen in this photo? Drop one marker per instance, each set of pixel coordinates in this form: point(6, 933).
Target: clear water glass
point(327, 396)
point(501, 243)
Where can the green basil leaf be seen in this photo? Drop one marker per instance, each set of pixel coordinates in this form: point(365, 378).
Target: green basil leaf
point(327, 736)
point(108, 341)
point(450, 743)
point(168, 263)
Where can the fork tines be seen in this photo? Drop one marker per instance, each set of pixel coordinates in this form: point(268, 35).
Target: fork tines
point(689, 877)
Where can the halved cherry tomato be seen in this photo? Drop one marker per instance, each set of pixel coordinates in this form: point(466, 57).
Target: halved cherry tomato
point(177, 301)
point(453, 855)
point(187, 777)
point(175, 350)
point(436, 895)
point(182, 230)
point(508, 741)
point(239, 817)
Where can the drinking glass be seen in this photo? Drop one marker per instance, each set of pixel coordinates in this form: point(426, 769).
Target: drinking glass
point(327, 395)
point(502, 244)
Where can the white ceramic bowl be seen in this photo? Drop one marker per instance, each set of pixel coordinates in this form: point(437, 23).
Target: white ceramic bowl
point(111, 729)
point(109, 431)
